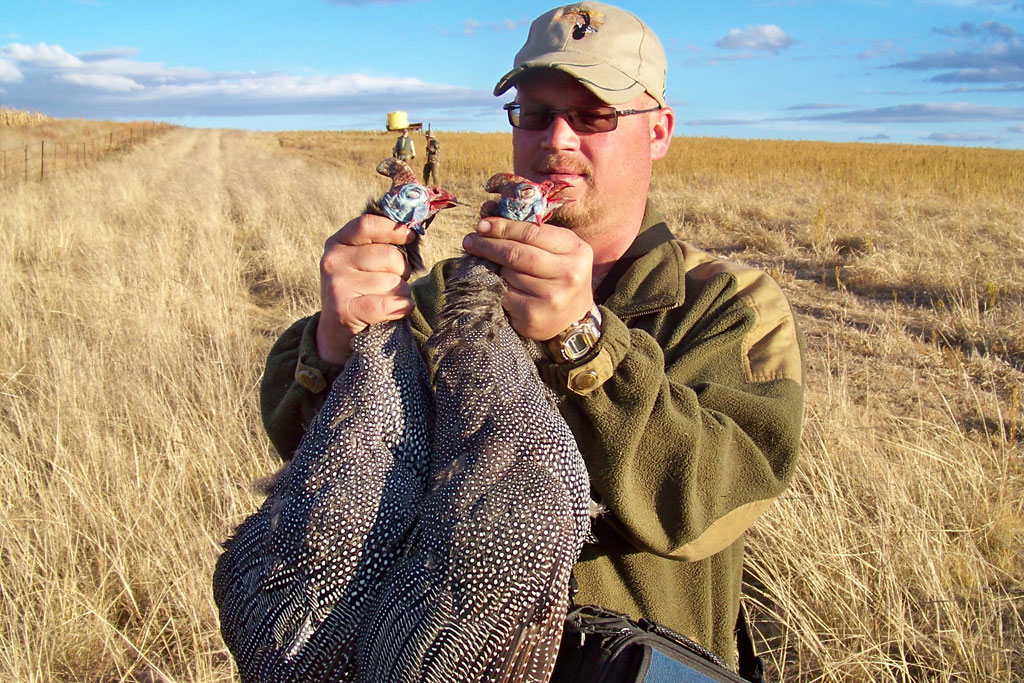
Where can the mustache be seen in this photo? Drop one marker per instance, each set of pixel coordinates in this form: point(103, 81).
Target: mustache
point(562, 163)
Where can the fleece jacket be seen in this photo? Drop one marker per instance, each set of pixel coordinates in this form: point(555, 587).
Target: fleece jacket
point(689, 421)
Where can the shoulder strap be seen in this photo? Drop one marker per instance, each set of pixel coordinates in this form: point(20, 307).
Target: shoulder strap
point(751, 667)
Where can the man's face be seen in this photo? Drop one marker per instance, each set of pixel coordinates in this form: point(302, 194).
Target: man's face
point(609, 172)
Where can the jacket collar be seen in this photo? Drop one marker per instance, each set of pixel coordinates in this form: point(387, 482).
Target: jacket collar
point(653, 279)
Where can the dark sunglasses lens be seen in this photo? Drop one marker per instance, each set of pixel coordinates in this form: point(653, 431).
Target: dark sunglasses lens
point(596, 120)
point(532, 118)
point(584, 120)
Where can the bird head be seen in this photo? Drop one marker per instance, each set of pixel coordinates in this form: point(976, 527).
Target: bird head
point(525, 200)
point(408, 201)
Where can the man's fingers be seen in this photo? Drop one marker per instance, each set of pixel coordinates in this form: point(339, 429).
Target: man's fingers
point(366, 258)
point(370, 229)
point(514, 255)
point(375, 308)
point(530, 320)
point(368, 283)
point(550, 238)
point(386, 258)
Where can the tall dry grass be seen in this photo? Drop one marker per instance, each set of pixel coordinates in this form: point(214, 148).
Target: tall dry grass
point(140, 296)
point(34, 146)
point(21, 118)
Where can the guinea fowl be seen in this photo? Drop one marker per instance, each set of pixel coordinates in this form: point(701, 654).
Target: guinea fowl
point(418, 534)
point(481, 590)
point(296, 580)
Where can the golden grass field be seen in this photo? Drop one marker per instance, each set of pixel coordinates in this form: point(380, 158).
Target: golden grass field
point(140, 295)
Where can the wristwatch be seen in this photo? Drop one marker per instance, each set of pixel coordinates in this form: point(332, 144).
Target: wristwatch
point(578, 339)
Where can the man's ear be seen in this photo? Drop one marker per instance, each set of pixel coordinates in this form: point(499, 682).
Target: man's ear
point(663, 122)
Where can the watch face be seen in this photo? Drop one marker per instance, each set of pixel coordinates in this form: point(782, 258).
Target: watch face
point(576, 345)
point(578, 341)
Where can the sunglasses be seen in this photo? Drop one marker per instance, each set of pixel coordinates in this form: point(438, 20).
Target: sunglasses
point(581, 119)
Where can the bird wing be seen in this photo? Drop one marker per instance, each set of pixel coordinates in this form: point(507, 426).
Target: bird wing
point(297, 576)
point(503, 518)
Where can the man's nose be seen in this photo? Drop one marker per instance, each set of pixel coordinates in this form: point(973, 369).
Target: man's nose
point(560, 135)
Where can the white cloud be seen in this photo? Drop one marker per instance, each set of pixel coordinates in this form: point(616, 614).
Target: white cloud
point(767, 37)
point(109, 53)
point(41, 55)
point(106, 82)
point(9, 73)
point(110, 83)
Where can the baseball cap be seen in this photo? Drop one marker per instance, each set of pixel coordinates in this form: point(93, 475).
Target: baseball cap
point(608, 50)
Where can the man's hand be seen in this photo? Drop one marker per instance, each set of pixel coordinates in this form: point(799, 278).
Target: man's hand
point(363, 281)
point(548, 271)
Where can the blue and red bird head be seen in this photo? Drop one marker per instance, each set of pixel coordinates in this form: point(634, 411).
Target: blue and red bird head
point(525, 200)
point(408, 201)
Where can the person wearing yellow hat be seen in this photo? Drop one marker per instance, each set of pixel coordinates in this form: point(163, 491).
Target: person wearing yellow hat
point(679, 373)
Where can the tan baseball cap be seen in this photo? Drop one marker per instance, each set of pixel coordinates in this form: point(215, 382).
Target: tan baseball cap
point(608, 50)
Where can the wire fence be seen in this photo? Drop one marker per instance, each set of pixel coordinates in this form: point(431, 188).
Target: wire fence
point(44, 159)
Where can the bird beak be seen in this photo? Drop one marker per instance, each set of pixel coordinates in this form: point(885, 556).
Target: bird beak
point(441, 199)
point(556, 189)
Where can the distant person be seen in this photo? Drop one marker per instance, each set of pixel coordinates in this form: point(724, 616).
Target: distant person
point(679, 373)
point(404, 149)
point(433, 164)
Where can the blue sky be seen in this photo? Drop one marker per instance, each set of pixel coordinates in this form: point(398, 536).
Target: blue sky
point(908, 71)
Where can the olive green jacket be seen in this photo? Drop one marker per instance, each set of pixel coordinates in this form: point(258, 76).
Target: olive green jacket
point(687, 412)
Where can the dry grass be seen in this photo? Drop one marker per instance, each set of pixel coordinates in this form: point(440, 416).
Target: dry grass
point(21, 118)
point(140, 296)
point(34, 146)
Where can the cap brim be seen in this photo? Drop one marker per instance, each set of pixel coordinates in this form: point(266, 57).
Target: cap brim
point(609, 84)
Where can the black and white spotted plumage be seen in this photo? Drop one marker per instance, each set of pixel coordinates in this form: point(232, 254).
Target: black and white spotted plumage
point(481, 591)
point(296, 580)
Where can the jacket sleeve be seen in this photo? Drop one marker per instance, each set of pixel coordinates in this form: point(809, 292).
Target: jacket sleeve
point(695, 427)
point(294, 385)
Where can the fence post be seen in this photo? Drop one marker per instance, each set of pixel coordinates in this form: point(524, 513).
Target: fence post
point(42, 158)
point(26, 163)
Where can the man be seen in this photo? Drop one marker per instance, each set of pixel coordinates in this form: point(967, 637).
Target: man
point(680, 374)
point(433, 164)
point(404, 149)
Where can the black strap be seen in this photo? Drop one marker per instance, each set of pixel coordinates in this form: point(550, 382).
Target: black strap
point(751, 667)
